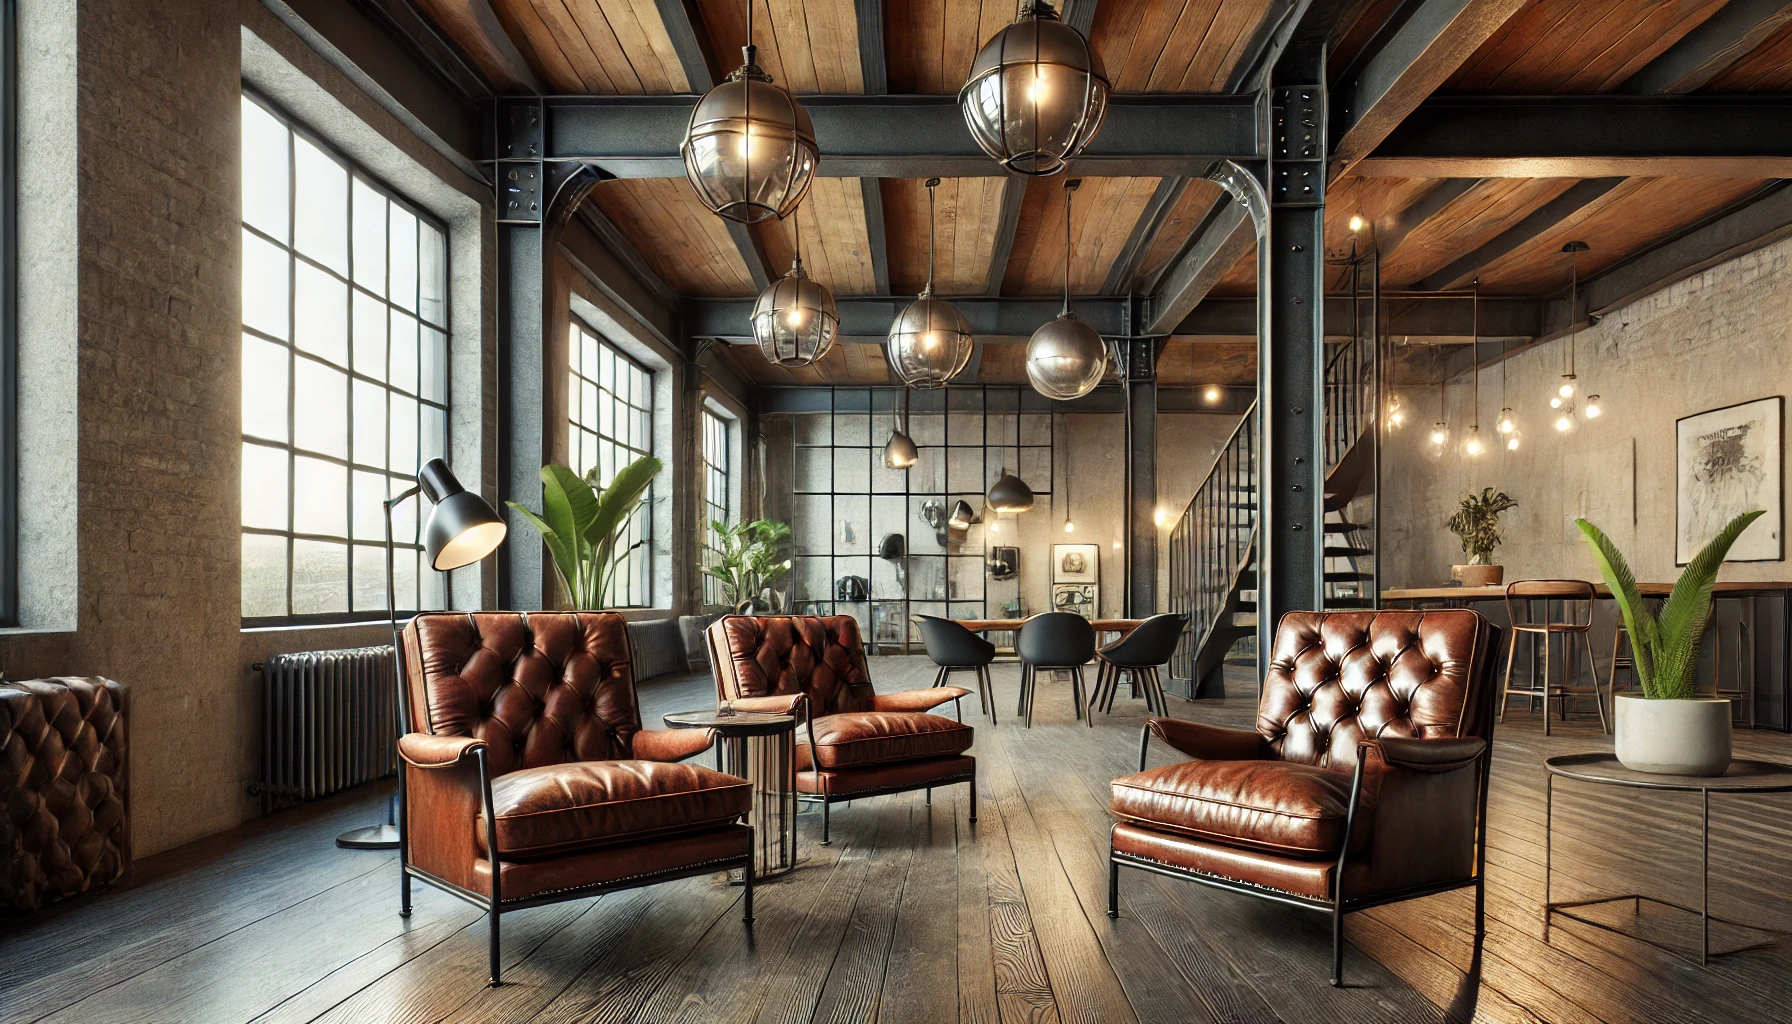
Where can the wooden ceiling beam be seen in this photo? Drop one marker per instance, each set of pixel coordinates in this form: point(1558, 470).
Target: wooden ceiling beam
point(1541, 221)
point(871, 190)
point(1396, 76)
point(873, 66)
point(1078, 14)
point(752, 253)
point(690, 40)
point(474, 24)
point(1144, 233)
point(1392, 230)
point(1225, 235)
point(1709, 49)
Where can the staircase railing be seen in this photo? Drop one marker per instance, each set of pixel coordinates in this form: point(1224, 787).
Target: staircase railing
point(1211, 544)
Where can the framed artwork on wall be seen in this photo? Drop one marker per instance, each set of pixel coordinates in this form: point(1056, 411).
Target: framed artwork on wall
point(1076, 563)
point(1077, 598)
point(1728, 461)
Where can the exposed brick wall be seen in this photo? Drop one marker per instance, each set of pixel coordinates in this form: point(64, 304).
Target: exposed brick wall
point(159, 419)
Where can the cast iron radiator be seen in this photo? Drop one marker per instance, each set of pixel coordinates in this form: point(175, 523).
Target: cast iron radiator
point(327, 723)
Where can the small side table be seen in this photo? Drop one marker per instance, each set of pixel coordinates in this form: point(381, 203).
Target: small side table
point(1744, 776)
point(760, 748)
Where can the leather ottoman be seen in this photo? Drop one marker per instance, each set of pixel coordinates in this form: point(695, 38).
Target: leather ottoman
point(63, 789)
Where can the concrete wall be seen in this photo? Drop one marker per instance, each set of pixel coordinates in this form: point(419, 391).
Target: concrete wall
point(1710, 341)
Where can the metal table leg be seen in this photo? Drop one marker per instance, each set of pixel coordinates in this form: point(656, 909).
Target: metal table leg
point(1705, 880)
point(1549, 804)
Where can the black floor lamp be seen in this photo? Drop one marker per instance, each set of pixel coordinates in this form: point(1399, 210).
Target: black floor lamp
point(461, 530)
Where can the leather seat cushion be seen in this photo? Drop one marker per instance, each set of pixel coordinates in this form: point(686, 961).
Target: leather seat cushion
point(881, 737)
point(1283, 807)
point(885, 778)
point(563, 807)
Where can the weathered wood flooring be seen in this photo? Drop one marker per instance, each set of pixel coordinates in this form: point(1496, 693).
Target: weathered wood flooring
point(913, 914)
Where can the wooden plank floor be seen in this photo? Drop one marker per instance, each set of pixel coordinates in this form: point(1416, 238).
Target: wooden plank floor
point(914, 914)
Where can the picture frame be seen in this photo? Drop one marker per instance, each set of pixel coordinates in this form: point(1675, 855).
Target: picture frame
point(1728, 461)
point(1076, 563)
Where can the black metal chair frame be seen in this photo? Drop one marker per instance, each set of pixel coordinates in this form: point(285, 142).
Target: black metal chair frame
point(1339, 904)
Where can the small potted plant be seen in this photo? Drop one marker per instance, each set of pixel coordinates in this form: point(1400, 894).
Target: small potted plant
point(1477, 523)
point(582, 526)
point(750, 563)
point(1669, 729)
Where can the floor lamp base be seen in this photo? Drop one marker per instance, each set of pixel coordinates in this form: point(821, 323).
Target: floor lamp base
point(373, 837)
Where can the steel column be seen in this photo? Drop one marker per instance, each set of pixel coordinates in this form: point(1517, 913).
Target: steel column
point(1291, 354)
point(1139, 356)
point(534, 199)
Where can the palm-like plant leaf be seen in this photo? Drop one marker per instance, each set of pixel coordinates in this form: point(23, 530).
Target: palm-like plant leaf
point(559, 550)
point(1622, 583)
point(1688, 609)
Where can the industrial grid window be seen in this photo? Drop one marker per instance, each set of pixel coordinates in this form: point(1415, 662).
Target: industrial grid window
point(715, 498)
point(848, 506)
point(610, 424)
point(345, 378)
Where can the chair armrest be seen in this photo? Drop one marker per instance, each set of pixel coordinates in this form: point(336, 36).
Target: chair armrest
point(422, 750)
point(1207, 742)
point(917, 700)
point(1441, 755)
point(670, 745)
point(784, 704)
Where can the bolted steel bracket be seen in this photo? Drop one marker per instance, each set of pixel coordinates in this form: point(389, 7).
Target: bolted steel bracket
point(1297, 146)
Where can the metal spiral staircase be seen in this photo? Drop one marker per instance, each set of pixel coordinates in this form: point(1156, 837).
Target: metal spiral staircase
point(1213, 547)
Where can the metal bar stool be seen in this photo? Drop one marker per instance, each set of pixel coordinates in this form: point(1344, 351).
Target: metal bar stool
point(1577, 598)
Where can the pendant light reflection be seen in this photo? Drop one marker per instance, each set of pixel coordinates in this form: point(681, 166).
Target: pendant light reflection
point(930, 342)
point(1036, 94)
point(1066, 357)
point(749, 149)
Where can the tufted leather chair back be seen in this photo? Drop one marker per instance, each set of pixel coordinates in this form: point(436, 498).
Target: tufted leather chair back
point(777, 655)
point(539, 688)
point(1337, 679)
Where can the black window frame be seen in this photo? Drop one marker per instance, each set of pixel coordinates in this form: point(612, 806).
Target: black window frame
point(357, 172)
point(719, 431)
point(9, 314)
point(575, 425)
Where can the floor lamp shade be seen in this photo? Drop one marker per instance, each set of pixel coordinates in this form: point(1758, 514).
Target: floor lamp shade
point(463, 528)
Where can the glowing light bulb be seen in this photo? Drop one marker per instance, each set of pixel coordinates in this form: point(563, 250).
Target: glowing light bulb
point(995, 526)
point(1356, 223)
point(1213, 394)
point(1161, 516)
point(930, 340)
point(1507, 424)
point(1439, 436)
point(1593, 409)
point(1512, 443)
point(1036, 91)
point(1567, 388)
point(1069, 527)
point(1563, 423)
point(794, 318)
point(1555, 403)
point(1473, 447)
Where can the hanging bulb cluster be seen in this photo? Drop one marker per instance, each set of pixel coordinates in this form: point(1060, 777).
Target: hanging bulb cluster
point(1565, 401)
point(1472, 445)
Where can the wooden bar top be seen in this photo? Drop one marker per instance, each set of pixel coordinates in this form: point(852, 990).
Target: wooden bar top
point(1101, 625)
point(1735, 589)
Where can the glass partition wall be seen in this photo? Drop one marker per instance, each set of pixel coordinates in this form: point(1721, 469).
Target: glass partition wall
point(877, 543)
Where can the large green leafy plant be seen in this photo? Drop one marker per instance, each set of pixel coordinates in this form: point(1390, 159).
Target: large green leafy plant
point(1477, 522)
point(582, 527)
point(1666, 645)
point(750, 562)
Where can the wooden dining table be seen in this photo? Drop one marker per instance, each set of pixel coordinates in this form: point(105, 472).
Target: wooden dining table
point(1466, 595)
point(1122, 626)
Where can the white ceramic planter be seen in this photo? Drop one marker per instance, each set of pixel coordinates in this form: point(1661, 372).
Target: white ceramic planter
point(1672, 737)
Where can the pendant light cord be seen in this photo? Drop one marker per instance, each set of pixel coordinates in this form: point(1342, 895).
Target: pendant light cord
point(1573, 300)
point(932, 183)
point(1474, 351)
point(1069, 188)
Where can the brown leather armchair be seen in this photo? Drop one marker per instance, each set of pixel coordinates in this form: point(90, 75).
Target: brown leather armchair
point(1364, 783)
point(854, 742)
point(526, 776)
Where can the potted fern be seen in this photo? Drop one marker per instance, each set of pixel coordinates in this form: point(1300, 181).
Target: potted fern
point(582, 527)
point(1669, 729)
point(1477, 524)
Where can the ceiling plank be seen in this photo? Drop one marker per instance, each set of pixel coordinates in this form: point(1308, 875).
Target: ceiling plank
point(1144, 233)
point(1390, 233)
point(690, 40)
point(1222, 238)
point(1425, 51)
point(1545, 218)
point(1710, 49)
point(1758, 221)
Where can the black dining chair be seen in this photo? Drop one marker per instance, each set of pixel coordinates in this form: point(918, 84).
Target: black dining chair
point(953, 647)
point(1053, 640)
point(1137, 654)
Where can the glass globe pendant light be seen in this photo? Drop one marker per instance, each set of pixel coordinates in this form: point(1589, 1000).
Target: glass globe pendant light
point(1066, 357)
point(795, 320)
point(1036, 94)
point(900, 451)
point(749, 149)
point(1472, 445)
point(930, 342)
point(1508, 423)
point(1440, 431)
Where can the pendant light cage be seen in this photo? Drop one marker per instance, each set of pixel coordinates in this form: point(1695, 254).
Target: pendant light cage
point(796, 319)
point(1036, 94)
point(930, 342)
point(749, 149)
point(1066, 357)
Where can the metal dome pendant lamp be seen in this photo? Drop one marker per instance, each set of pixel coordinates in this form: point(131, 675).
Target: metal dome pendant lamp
point(1036, 94)
point(930, 342)
point(1066, 357)
point(900, 451)
point(749, 149)
point(795, 320)
point(1010, 493)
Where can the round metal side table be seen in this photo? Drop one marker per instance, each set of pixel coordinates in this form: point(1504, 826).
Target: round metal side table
point(1743, 777)
point(760, 748)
